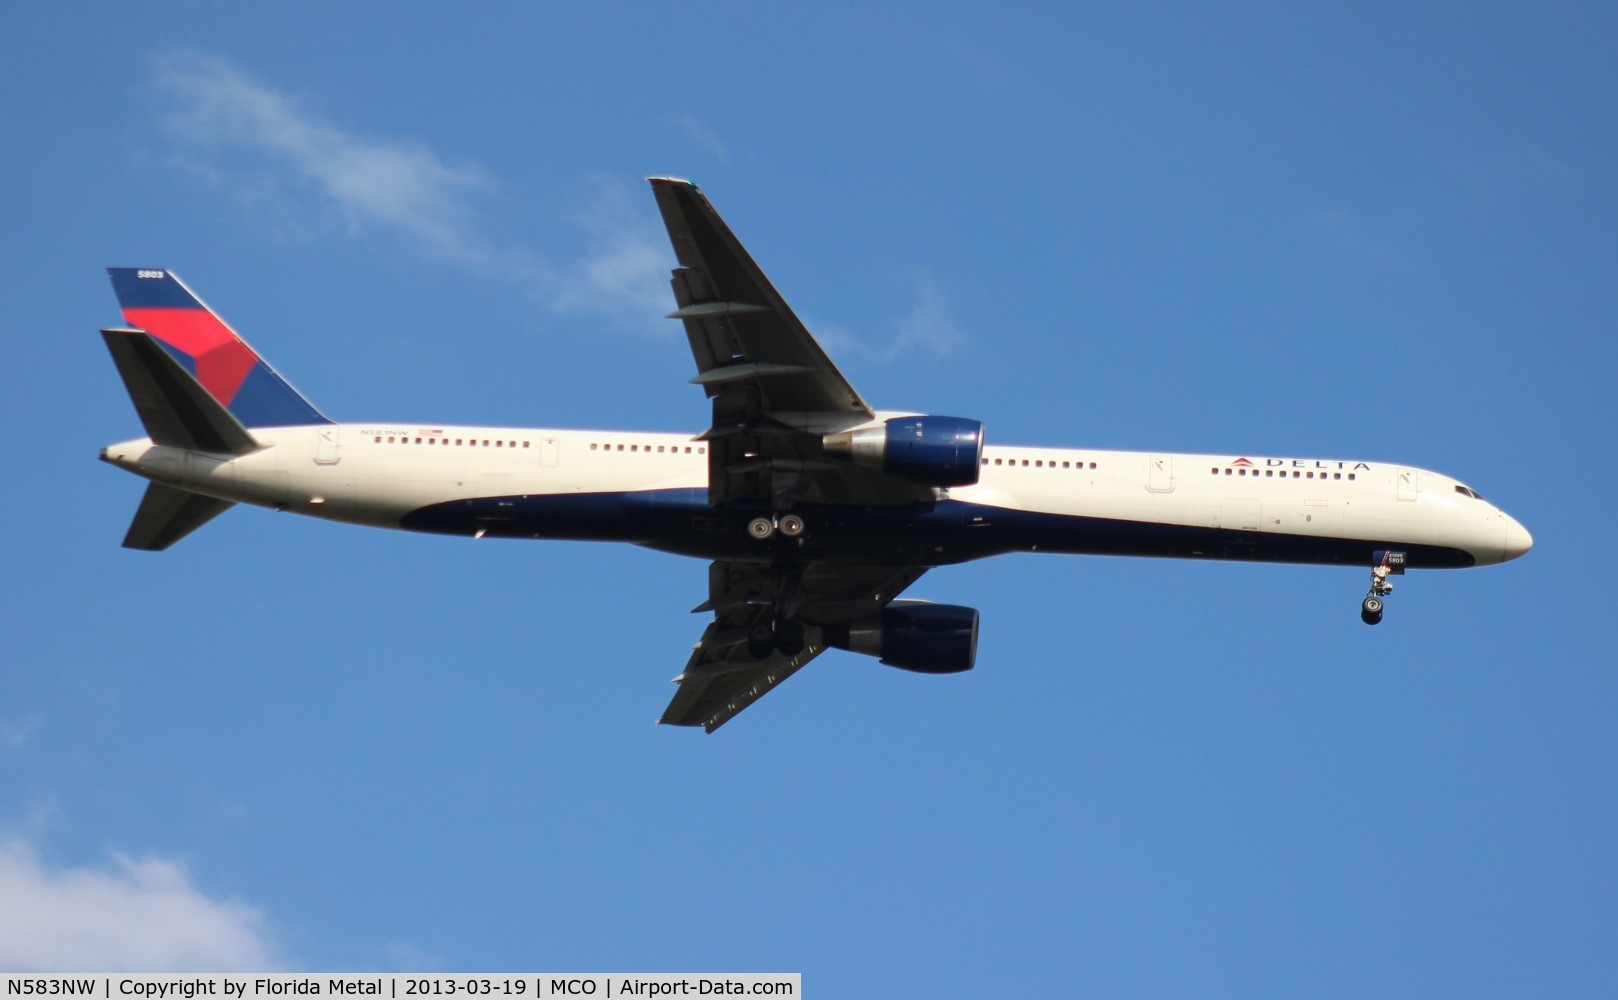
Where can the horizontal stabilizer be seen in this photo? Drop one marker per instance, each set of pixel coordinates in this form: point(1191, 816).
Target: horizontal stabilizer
point(167, 515)
point(173, 406)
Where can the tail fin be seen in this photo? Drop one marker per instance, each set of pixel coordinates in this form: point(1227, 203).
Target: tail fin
point(233, 373)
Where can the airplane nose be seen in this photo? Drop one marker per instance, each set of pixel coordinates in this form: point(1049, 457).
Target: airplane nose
point(1518, 540)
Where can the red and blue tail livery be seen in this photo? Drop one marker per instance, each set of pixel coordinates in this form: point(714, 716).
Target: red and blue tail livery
point(158, 302)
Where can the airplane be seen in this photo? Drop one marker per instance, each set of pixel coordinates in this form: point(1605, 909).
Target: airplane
point(814, 510)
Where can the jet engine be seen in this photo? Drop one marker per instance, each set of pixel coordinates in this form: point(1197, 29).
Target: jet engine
point(936, 451)
point(914, 635)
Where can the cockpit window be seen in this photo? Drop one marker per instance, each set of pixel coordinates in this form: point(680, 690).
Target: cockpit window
point(1468, 492)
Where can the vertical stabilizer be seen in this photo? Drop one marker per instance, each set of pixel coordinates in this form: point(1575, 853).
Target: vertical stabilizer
point(157, 302)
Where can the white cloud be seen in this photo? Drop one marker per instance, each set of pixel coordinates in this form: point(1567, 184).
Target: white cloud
point(400, 190)
point(14, 734)
point(262, 145)
point(391, 186)
point(698, 131)
point(929, 324)
point(1345, 231)
point(139, 914)
point(626, 268)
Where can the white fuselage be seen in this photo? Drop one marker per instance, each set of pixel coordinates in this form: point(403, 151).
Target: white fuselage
point(385, 474)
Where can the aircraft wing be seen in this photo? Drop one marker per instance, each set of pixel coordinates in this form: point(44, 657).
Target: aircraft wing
point(722, 678)
point(775, 392)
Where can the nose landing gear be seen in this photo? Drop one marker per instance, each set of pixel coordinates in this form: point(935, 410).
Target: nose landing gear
point(1386, 563)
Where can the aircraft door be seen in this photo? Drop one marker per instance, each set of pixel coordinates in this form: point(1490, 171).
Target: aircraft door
point(1405, 484)
point(550, 451)
point(1160, 474)
point(327, 442)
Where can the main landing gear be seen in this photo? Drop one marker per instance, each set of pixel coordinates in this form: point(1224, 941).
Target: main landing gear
point(789, 525)
point(1386, 563)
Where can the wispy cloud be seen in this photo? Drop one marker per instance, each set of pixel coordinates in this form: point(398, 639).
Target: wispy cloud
point(626, 266)
point(700, 133)
point(263, 144)
point(139, 914)
point(929, 325)
point(14, 734)
point(391, 186)
point(1347, 234)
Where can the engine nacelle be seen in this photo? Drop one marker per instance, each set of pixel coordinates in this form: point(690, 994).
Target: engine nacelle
point(937, 451)
point(914, 635)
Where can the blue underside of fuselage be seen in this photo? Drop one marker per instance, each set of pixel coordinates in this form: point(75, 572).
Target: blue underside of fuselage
point(924, 534)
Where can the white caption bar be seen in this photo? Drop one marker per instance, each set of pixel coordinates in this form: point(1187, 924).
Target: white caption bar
point(399, 986)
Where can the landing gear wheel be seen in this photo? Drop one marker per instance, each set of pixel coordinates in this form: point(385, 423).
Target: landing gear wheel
point(760, 528)
point(760, 641)
point(793, 526)
point(789, 637)
point(1371, 609)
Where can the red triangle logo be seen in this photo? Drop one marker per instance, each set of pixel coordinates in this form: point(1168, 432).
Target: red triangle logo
point(1242, 462)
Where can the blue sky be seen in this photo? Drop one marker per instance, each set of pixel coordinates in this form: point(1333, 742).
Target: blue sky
point(1381, 233)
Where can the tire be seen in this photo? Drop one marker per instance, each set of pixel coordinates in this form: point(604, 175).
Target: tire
point(1371, 609)
point(760, 528)
point(760, 641)
point(793, 526)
